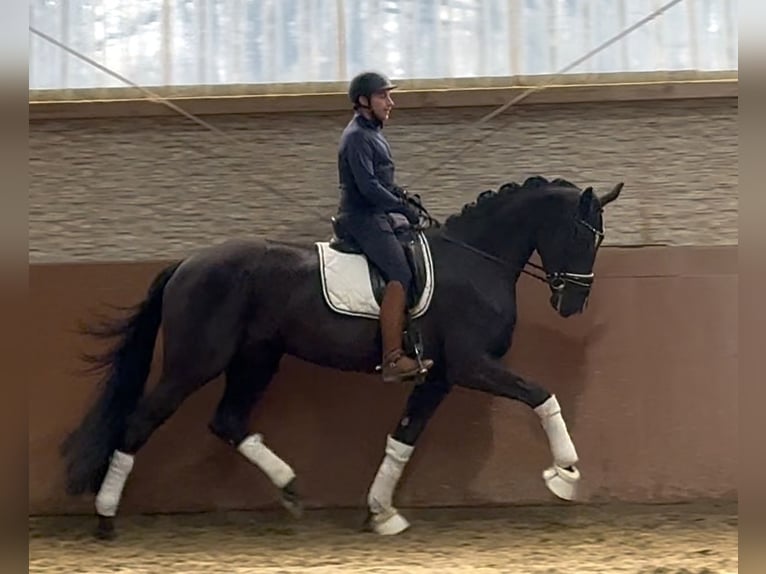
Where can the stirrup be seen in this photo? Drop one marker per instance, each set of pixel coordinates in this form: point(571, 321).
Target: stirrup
point(393, 358)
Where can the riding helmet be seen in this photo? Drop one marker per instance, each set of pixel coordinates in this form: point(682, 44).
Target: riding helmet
point(366, 84)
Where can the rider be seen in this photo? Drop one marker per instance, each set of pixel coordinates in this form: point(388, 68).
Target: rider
point(368, 195)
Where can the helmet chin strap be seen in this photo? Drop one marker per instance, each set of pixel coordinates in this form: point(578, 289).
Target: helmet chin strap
point(370, 112)
point(362, 106)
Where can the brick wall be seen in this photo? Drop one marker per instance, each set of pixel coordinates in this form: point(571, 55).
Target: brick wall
point(148, 188)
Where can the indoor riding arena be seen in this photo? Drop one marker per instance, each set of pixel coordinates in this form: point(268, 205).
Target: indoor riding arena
point(172, 126)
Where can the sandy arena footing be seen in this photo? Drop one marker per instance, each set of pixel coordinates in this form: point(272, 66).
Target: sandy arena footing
point(658, 539)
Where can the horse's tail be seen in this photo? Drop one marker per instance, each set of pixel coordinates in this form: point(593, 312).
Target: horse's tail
point(87, 449)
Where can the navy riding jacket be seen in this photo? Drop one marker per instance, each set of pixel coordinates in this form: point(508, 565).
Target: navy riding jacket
point(366, 170)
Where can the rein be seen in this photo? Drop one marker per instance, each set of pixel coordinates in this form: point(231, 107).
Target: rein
point(500, 261)
point(414, 200)
point(557, 280)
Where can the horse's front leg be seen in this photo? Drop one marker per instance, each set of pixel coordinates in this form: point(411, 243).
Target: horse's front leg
point(383, 517)
point(489, 375)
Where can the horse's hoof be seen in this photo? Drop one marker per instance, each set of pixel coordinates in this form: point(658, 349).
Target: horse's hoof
point(387, 523)
point(291, 500)
point(105, 529)
point(562, 482)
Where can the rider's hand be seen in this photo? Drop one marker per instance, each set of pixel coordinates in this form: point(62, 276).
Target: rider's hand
point(412, 214)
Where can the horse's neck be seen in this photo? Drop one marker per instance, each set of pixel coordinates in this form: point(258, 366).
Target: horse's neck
point(508, 234)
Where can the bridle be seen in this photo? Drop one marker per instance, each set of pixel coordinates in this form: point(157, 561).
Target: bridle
point(556, 280)
point(560, 280)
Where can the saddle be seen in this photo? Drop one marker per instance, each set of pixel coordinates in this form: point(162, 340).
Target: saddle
point(415, 251)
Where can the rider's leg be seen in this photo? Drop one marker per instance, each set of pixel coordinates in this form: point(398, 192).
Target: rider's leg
point(396, 365)
point(377, 239)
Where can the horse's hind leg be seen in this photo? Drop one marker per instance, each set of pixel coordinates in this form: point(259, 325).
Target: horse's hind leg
point(247, 378)
point(152, 411)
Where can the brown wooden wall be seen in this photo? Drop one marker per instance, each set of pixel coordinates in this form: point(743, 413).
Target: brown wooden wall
point(646, 378)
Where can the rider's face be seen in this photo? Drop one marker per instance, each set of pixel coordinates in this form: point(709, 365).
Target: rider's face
point(381, 104)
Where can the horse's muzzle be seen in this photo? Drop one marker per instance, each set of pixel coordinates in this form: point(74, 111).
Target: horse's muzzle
point(569, 292)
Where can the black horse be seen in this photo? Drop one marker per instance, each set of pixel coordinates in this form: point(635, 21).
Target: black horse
point(239, 307)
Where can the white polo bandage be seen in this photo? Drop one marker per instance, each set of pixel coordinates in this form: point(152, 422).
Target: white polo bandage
point(108, 497)
point(380, 497)
point(562, 447)
point(278, 471)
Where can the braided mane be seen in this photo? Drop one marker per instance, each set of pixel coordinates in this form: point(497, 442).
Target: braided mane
point(489, 198)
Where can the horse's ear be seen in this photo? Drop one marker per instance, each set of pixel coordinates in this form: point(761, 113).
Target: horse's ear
point(611, 195)
point(587, 200)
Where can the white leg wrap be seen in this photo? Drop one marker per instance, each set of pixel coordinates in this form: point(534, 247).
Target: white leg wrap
point(108, 497)
point(562, 447)
point(380, 497)
point(253, 449)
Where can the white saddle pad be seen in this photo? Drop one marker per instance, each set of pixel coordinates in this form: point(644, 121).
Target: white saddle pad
point(347, 287)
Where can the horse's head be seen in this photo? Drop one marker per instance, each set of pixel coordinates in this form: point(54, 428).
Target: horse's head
point(556, 218)
point(567, 242)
